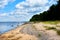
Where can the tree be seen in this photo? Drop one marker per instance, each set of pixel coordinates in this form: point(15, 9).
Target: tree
point(52, 14)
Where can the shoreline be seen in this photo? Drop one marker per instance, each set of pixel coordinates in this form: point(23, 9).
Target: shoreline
point(34, 31)
point(17, 27)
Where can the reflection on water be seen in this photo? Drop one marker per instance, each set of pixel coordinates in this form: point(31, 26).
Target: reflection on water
point(6, 26)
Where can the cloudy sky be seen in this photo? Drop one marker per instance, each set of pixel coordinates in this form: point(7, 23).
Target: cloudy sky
point(22, 10)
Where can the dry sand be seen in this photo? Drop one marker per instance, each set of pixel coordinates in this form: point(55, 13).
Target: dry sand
point(32, 31)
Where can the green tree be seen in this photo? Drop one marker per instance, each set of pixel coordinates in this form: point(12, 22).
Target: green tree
point(52, 14)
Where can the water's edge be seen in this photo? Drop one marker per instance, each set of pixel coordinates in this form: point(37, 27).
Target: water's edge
point(4, 29)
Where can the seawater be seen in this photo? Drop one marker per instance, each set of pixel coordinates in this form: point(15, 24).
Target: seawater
point(6, 26)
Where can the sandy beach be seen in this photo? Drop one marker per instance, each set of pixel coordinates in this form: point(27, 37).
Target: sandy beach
point(34, 31)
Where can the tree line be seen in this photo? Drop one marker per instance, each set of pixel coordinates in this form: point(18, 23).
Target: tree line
point(50, 15)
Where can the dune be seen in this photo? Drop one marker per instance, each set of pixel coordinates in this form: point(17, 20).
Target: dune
point(33, 31)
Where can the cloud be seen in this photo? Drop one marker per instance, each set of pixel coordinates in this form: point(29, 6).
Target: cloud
point(4, 17)
point(26, 9)
point(31, 3)
point(34, 5)
point(3, 3)
point(3, 14)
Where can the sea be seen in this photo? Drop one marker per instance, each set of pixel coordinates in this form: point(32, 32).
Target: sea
point(6, 26)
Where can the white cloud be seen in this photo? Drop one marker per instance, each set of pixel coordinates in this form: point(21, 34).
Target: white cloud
point(34, 5)
point(26, 9)
point(3, 14)
point(4, 17)
point(3, 3)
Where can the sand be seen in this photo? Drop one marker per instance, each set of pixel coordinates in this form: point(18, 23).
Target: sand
point(32, 31)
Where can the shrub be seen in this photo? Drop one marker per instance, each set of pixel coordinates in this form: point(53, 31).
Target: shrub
point(51, 28)
point(39, 35)
point(58, 32)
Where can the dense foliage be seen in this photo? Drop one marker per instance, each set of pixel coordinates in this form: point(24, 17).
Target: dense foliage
point(52, 14)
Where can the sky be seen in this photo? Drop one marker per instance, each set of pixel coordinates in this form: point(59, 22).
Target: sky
point(22, 10)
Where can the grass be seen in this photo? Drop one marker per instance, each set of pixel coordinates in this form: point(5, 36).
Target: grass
point(34, 27)
point(51, 22)
point(39, 35)
point(50, 28)
point(57, 25)
point(46, 26)
point(53, 28)
point(58, 32)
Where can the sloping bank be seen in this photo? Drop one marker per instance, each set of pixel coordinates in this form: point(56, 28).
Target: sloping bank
point(34, 31)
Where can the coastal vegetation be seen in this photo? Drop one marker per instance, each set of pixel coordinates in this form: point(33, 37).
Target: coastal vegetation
point(34, 31)
point(58, 32)
point(51, 16)
point(50, 28)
